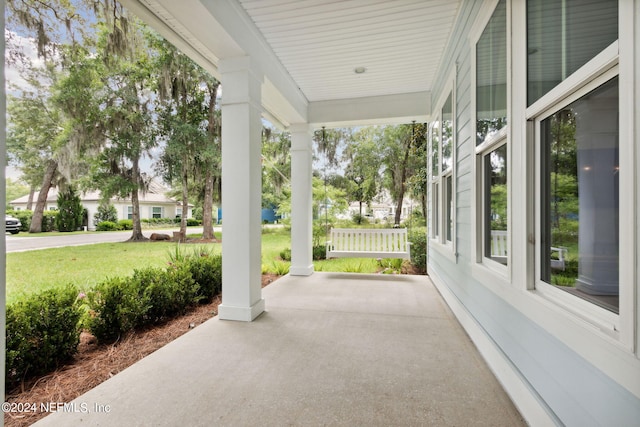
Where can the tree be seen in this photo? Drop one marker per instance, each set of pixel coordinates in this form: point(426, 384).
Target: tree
point(35, 139)
point(401, 159)
point(363, 166)
point(276, 166)
point(70, 211)
point(124, 125)
point(14, 189)
point(183, 87)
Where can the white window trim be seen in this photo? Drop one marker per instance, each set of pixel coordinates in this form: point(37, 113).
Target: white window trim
point(617, 357)
point(603, 319)
point(484, 269)
point(439, 241)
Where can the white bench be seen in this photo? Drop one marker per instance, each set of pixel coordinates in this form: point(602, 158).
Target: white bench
point(368, 243)
point(499, 249)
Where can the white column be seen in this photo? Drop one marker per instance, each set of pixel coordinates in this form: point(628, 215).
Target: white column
point(241, 190)
point(301, 200)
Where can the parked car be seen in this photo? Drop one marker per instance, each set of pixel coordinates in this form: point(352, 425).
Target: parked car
point(12, 224)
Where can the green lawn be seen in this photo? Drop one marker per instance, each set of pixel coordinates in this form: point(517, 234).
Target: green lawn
point(85, 266)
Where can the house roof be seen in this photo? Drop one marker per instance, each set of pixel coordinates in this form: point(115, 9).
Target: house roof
point(156, 193)
point(309, 52)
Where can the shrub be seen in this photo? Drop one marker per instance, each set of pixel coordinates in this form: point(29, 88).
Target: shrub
point(107, 226)
point(125, 224)
point(418, 241)
point(285, 254)
point(192, 222)
point(106, 212)
point(42, 332)
point(206, 271)
point(319, 252)
point(116, 306)
point(70, 211)
point(169, 291)
point(49, 221)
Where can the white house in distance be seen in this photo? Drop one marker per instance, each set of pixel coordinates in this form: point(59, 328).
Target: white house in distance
point(527, 100)
point(154, 203)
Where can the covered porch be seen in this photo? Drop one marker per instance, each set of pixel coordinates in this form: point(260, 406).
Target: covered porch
point(330, 349)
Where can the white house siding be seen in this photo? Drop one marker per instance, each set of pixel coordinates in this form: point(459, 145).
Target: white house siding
point(558, 369)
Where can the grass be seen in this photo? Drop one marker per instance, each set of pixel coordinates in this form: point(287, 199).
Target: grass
point(86, 266)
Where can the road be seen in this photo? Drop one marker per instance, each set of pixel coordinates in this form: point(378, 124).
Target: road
point(20, 243)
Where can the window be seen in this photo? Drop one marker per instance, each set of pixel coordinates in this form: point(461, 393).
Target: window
point(156, 212)
point(578, 162)
point(442, 165)
point(492, 154)
point(129, 212)
point(178, 212)
point(564, 35)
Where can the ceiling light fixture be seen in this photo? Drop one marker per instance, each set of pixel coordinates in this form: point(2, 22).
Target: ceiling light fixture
point(359, 70)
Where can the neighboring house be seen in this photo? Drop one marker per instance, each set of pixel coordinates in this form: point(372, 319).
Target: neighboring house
point(382, 208)
point(153, 204)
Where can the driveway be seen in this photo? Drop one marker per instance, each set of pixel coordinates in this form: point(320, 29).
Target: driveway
point(20, 243)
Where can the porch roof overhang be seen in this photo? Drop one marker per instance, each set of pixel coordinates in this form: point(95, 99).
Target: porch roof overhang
point(308, 52)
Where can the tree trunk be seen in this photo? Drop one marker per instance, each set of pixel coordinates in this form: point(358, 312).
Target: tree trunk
point(38, 213)
point(207, 208)
point(137, 235)
point(401, 187)
point(32, 192)
point(185, 205)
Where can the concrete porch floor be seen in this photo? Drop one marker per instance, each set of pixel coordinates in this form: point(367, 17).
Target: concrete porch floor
point(331, 349)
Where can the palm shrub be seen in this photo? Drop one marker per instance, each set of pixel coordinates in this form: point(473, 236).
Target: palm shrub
point(42, 331)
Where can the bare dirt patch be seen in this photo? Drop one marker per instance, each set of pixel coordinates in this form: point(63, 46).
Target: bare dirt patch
point(95, 363)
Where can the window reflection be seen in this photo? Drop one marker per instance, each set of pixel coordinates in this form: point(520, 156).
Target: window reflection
point(580, 212)
point(491, 76)
point(562, 36)
point(495, 196)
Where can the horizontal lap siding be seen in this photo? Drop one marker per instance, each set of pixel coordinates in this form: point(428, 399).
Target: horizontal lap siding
point(572, 389)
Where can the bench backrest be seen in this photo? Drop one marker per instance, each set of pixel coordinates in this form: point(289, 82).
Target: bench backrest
point(499, 243)
point(369, 240)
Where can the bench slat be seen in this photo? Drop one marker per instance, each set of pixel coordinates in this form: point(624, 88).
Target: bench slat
point(368, 243)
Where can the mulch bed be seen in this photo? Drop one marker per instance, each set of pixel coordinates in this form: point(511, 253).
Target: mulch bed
point(96, 363)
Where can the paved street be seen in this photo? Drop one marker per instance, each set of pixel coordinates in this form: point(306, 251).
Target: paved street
point(20, 243)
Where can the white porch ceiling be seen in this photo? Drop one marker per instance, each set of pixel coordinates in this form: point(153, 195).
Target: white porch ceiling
point(309, 50)
point(320, 43)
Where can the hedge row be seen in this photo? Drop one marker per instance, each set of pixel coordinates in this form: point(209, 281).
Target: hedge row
point(43, 330)
point(48, 219)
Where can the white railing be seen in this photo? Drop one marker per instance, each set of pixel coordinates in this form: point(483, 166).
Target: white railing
point(368, 243)
point(499, 249)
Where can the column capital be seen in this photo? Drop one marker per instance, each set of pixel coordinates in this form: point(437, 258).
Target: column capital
point(241, 82)
point(301, 136)
point(240, 64)
point(301, 128)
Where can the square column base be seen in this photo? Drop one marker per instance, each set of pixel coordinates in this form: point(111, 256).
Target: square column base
point(301, 271)
point(242, 314)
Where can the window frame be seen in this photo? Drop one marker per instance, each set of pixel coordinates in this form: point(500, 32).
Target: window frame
point(438, 182)
point(483, 268)
point(621, 329)
point(608, 321)
point(151, 211)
